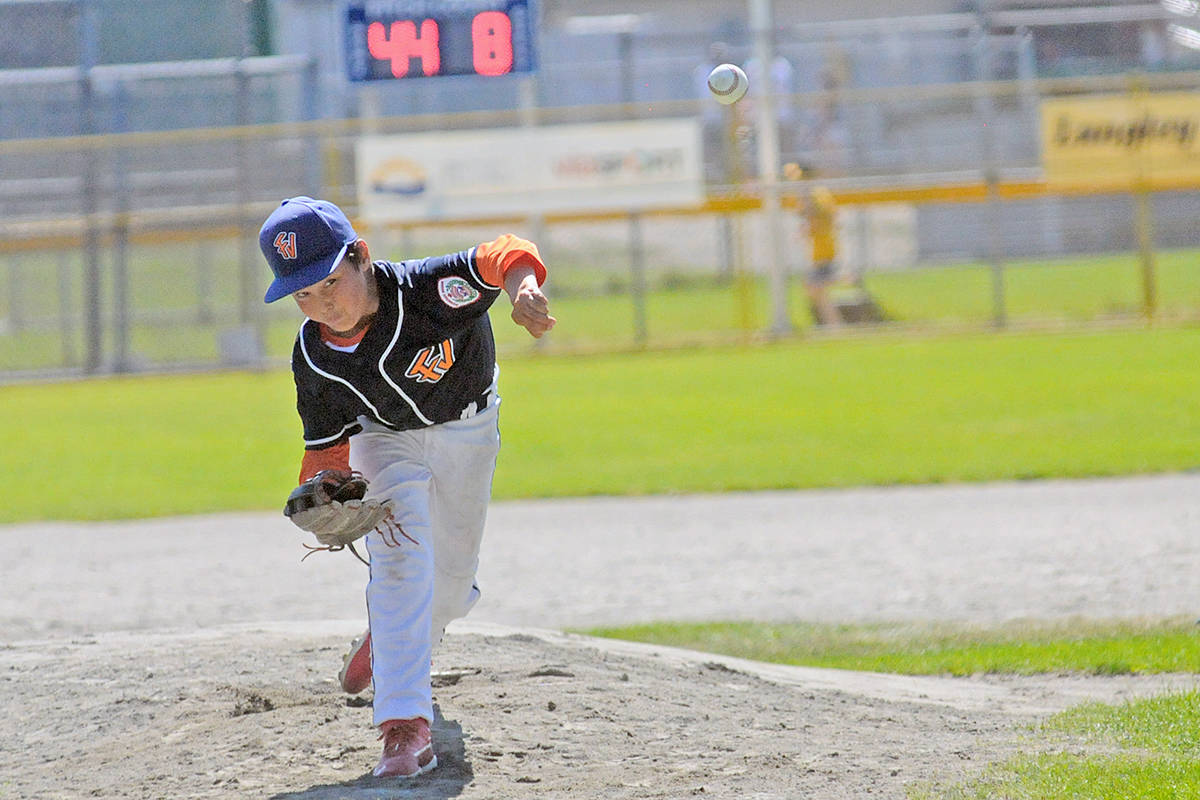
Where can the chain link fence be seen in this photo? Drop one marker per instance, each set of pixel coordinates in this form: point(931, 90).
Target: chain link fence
point(131, 200)
point(159, 267)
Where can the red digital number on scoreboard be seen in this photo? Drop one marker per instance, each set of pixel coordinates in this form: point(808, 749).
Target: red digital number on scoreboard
point(402, 44)
point(491, 44)
point(401, 39)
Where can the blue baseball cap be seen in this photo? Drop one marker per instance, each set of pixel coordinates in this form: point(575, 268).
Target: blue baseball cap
point(303, 241)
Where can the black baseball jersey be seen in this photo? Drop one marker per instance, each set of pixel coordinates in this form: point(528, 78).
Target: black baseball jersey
point(428, 356)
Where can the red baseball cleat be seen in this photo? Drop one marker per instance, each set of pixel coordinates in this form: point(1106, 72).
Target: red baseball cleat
point(356, 665)
point(407, 749)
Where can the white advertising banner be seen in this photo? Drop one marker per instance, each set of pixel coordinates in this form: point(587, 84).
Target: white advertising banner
point(591, 167)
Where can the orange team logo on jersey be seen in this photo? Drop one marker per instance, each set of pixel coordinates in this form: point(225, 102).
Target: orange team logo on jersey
point(285, 243)
point(429, 365)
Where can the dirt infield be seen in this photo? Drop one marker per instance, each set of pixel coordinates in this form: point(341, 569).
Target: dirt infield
point(196, 657)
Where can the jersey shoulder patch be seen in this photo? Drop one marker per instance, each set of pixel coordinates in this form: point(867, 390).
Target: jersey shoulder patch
point(456, 292)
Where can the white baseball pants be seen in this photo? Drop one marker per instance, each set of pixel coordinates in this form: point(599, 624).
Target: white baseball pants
point(440, 478)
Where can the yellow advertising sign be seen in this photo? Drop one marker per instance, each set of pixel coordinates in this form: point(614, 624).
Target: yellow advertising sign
point(1122, 138)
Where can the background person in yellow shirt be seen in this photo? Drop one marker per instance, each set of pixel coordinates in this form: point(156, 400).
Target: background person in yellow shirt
point(819, 209)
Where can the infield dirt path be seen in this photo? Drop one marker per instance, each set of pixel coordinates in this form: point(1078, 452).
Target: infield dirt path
point(196, 657)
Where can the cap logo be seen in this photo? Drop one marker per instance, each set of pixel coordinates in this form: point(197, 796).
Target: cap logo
point(285, 244)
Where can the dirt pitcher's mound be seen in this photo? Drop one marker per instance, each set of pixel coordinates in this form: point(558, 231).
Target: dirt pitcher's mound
point(254, 711)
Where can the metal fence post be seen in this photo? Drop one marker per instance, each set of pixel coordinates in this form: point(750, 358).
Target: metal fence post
point(986, 109)
point(65, 313)
point(120, 234)
point(93, 323)
point(242, 116)
point(768, 168)
point(637, 287)
point(734, 224)
point(202, 283)
point(1143, 219)
point(254, 321)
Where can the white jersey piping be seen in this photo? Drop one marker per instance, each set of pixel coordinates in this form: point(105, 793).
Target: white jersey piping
point(475, 272)
point(388, 350)
point(327, 439)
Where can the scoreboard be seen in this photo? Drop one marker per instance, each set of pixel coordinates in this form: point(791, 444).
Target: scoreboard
point(406, 39)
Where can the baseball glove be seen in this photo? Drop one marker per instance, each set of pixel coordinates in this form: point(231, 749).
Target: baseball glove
point(331, 505)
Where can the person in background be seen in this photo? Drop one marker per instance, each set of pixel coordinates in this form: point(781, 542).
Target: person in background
point(818, 210)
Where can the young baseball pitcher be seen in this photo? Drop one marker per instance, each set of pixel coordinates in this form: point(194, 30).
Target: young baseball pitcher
point(395, 371)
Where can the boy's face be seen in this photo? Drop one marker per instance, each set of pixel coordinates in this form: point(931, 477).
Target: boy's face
point(342, 298)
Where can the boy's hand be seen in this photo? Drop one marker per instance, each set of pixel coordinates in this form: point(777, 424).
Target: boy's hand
point(531, 309)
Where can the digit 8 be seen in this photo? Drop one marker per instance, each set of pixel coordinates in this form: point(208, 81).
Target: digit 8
point(491, 43)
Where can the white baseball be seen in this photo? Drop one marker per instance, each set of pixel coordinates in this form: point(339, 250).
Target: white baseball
point(728, 83)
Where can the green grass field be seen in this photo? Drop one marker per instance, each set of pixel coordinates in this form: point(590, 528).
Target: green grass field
point(1139, 749)
point(873, 411)
point(1024, 647)
point(1072, 289)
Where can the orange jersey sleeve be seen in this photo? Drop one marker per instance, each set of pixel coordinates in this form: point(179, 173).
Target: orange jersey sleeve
point(495, 258)
point(335, 457)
